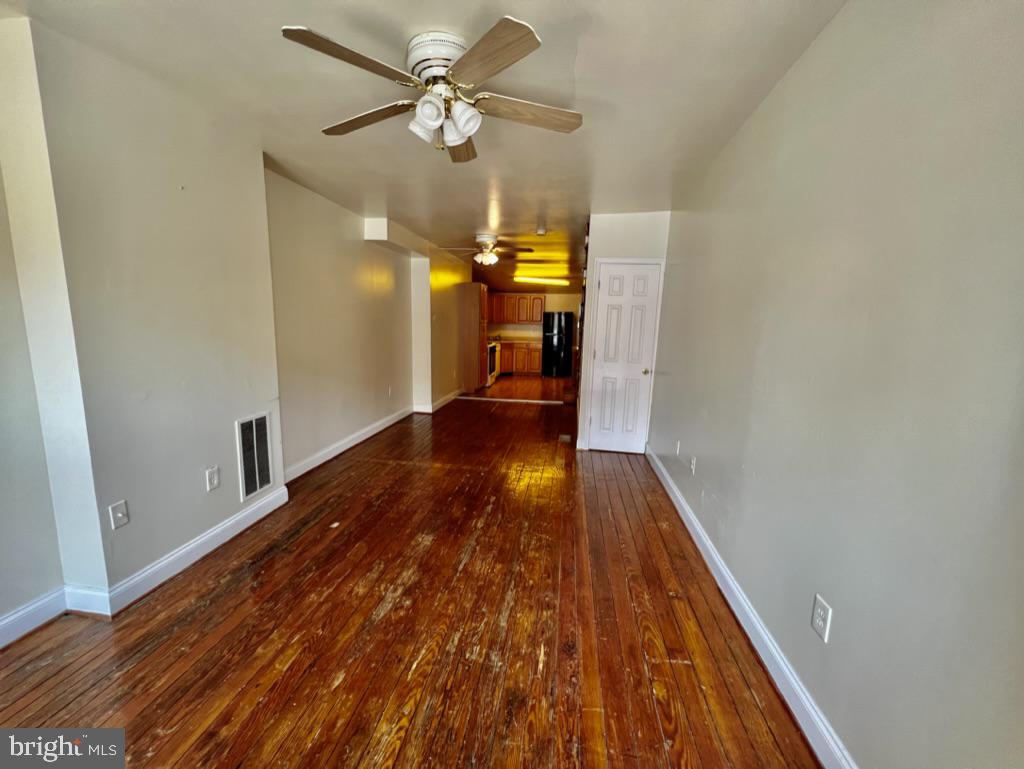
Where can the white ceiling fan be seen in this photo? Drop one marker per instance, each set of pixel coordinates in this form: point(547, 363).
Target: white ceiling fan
point(488, 246)
point(441, 66)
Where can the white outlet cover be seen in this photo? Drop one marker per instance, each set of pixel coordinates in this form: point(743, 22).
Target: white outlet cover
point(118, 514)
point(821, 618)
point(212, 477)
point(693, 465)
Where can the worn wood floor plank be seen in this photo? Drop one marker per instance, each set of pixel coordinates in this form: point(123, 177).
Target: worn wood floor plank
point(461, 590)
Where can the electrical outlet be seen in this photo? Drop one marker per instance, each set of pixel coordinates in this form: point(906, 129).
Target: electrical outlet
point(693, 465)
point(118, 514)
point(212, 477)
point(679, 445)
point(821, 619)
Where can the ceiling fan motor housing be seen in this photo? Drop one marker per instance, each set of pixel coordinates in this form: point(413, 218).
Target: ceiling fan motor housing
point(430, 54)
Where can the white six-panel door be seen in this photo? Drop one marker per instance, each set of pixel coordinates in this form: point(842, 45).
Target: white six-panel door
point(624, 339)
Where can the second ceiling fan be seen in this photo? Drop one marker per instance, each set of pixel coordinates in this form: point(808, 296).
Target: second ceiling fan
point(488, 245)
point(444, 69)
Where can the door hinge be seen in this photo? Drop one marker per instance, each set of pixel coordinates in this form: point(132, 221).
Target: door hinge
point(593, 355)
point(598, 285)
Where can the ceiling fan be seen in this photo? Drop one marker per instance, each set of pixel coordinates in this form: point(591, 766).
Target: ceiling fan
point(488, 245)
point(442, 66)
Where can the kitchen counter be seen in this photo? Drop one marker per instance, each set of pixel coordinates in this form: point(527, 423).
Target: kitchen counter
point(515, 338)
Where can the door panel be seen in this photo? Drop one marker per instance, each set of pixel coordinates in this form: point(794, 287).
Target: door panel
point(522, 309)
point(537, 309)
point(534, 359)
point(521, 361)
point(626, 325)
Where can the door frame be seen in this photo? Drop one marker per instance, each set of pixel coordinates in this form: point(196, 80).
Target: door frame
point(589, 338)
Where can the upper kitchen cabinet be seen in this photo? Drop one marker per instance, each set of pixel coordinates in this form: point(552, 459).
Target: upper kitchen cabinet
point(509, 305)
point(517, 308)
point(537, 308)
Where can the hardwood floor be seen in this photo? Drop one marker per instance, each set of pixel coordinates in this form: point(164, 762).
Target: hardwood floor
point(528, 387)
point(460, 590)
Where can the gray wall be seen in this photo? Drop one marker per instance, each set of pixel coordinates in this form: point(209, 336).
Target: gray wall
point(341, 307)
point(29, 556)
point(842, 349)
point(46, 310)
point(162, 211)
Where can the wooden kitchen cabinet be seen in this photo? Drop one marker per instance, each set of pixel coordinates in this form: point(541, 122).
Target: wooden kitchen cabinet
point(523, 309)
point(521, 359)
point(537, 309)
point(533, 358)
point(517, 308)
point(509, 308)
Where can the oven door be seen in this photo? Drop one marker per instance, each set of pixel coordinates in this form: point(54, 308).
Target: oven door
point(493, 356)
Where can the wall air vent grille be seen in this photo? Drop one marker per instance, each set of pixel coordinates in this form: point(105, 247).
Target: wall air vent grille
point(253, 436)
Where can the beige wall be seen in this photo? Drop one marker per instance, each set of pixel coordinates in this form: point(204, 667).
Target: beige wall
point(841, 349)
point(446, 272)
point(163, 224)
point(45, 307)
point(29, 555)
point(342, 311)
point(563, 303)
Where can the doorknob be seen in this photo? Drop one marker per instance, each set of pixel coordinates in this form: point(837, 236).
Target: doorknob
point(645, 371)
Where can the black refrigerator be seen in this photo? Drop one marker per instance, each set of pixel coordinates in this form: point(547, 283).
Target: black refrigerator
point(556, 352)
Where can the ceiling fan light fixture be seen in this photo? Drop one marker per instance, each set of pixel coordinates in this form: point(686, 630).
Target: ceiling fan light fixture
point(486, 258)
point(442, 65)
point(466, 118)
point(427, 134)
point(453, 137)
point(430, 110)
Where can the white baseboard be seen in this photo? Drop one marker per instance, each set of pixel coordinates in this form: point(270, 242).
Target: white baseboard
point(106, 603)
point(823, 738)
point(422, 408)
point(304, 466)
point(90, 600)
point(26, 618)
point(444, 400)
point(162, 569)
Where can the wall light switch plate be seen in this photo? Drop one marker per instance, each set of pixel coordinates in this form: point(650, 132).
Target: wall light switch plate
point(118, 514)
point(693, 465)
point(821, 619)
point(212, 477)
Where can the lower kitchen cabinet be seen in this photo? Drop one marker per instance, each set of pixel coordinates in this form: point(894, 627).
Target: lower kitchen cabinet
point(507, 363)
point(534, 361)
point(521, 358)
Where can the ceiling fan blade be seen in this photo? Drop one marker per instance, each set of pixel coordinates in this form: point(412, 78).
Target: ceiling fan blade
point(514, 249)
point(371, 117)
point(310, 39)
point(463, 153)
point(503, 45)
point(531, 113)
